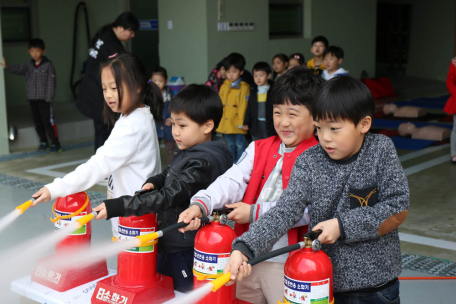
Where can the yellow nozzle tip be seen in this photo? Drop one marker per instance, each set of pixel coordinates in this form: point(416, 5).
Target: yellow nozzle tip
point(24, 206)
point(84, 220)
point(219, 282)
point(147, 237)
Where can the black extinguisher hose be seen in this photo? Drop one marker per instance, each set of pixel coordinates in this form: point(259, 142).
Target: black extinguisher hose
point(313, 235)
point(179, 225)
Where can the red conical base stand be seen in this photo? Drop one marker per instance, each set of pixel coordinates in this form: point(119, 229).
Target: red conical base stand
point(110, 290)
point(63, 278)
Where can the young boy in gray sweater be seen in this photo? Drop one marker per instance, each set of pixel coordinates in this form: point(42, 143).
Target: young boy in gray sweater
point(359, 196)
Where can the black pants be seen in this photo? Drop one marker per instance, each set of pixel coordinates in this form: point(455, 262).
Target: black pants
point(178, 266)
point(102, 133)
point(41, 114)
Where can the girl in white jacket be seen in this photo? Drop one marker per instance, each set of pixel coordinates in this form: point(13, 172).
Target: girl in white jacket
point(131, 153)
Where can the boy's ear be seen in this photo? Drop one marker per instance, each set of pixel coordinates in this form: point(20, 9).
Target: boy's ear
point(208, 127)
point(366, 124)
point(340, 61)
point(269, 76)
point(242, 72)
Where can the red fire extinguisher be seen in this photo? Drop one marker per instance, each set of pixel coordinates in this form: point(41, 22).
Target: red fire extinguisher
point(137, 280)
point(67, 210)
point(308, 274)
point(212, 252)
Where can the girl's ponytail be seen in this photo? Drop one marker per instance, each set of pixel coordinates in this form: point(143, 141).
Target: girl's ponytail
point(154, 99)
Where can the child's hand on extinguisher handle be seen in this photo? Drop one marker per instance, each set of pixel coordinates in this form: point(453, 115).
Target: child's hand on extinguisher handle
point(238, 267)
point(190, 216)
point(42, 196)
point(330, 231)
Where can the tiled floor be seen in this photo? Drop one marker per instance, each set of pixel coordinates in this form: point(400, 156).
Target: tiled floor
point(432, 213)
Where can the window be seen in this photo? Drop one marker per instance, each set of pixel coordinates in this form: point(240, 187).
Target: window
point(285, 19)
point(15, 16)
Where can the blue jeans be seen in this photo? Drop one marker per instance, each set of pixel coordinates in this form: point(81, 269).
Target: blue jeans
point(388, 295)
point(236, 143)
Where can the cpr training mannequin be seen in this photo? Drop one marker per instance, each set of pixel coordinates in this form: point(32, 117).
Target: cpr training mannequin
point(427, 133)
point(407, 111)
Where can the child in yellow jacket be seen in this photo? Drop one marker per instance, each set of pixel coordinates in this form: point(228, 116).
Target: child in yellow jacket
point(234, 94)
point(318, 47)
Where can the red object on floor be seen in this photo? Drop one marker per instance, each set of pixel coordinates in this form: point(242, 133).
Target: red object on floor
point(55, 130)
point(62, 278)
point(380, 88)
point(389, 133)
point(212, 251)
point(137, 280)
point(448, 118)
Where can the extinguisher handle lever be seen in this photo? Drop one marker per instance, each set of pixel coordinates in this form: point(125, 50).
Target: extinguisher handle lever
point(313, 235)
point(223, 211)
point(179, 225)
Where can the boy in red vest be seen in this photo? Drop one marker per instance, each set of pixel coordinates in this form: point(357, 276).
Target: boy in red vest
point(254, 184)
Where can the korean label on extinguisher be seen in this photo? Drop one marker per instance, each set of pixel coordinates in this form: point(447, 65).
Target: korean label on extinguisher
point(306, 292)
point(210, 263)
point(126, 233)
point(62, 223)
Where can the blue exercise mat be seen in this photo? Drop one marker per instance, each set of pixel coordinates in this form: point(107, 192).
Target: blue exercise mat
point(425, 102)
point(411, 144)
point(422, 104)
point(394, 124)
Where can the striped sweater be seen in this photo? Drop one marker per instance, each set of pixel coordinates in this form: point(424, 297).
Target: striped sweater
point(368, 193)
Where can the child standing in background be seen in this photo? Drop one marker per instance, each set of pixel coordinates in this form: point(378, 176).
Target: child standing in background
point(160, 78)
point(318, 47)
point(217, 76)
point(258, 117)
point(131, 152)
point(334, 56)
point(40, 76)
point(279, 65)
point(296, 59)
point(450, 106)
point(234, 94)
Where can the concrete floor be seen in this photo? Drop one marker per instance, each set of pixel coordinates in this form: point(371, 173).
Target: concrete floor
point(432, 211)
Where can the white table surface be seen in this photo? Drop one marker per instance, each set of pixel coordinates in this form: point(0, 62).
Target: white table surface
point(45, 295)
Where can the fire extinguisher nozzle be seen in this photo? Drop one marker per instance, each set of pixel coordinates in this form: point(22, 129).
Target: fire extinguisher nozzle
point(145, 238)
point(85, 219)
point(220, 281)
point(21, 208)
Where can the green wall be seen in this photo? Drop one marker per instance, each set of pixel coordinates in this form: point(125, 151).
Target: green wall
point(184, 49)
point(432, 37)
point(54, 24)
point(349, 24)
point(4, 144)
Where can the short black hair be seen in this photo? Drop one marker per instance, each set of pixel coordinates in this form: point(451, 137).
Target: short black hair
point(236, 60)
point(199, 102)
point(343, 98)
point(127, 20)
point(220, 64)
point(299, 57)
point(160, 71)
point(335, 51)
point(299, 86)
point(262, 66)
point(281, 56)
point(320, 39)
point(36, 43)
